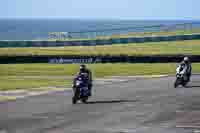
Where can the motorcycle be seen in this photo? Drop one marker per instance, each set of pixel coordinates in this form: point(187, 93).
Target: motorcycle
point(81, 91)
point(181, 77)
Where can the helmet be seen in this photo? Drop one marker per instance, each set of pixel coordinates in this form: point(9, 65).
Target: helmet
point(82, 67)
point(186, 58)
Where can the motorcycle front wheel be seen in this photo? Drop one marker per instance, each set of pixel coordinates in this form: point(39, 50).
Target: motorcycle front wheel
point(74, 100)
point(176, 83)
point(75, 97)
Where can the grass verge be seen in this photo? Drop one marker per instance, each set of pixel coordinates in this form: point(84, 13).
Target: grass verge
point(14, 76)
point(190, 47)
point(8, 83)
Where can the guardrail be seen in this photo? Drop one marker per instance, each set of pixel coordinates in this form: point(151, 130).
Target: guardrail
point(96, 59)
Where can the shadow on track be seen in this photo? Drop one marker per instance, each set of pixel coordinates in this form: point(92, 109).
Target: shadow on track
point(193, 86)
point(111, 101)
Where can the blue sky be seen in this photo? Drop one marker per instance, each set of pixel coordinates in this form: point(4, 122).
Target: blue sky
point(101, 9)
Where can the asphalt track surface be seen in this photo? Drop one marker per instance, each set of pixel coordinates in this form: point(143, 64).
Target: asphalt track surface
point(131, 106)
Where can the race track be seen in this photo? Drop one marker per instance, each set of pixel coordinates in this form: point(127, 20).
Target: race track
point(134, 105)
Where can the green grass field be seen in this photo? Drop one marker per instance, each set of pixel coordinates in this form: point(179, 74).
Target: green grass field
point(27, 76)
point(191, 47)
point(162, 33)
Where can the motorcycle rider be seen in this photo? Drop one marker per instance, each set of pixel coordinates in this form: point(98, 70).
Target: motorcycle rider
point(84, 70)
point(188, 67)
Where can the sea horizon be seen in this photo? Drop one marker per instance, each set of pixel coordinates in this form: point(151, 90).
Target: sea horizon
point(39, 28)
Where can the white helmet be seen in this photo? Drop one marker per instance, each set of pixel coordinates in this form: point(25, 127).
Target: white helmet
point(186, 59)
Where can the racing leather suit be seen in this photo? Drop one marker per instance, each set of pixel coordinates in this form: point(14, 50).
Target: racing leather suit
point(188, 68)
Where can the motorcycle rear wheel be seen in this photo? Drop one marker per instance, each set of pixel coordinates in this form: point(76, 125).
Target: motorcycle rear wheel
point(184, 84)
point(176, 83)
point(84, 100)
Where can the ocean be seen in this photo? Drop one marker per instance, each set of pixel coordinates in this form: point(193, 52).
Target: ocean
point(31, 29)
